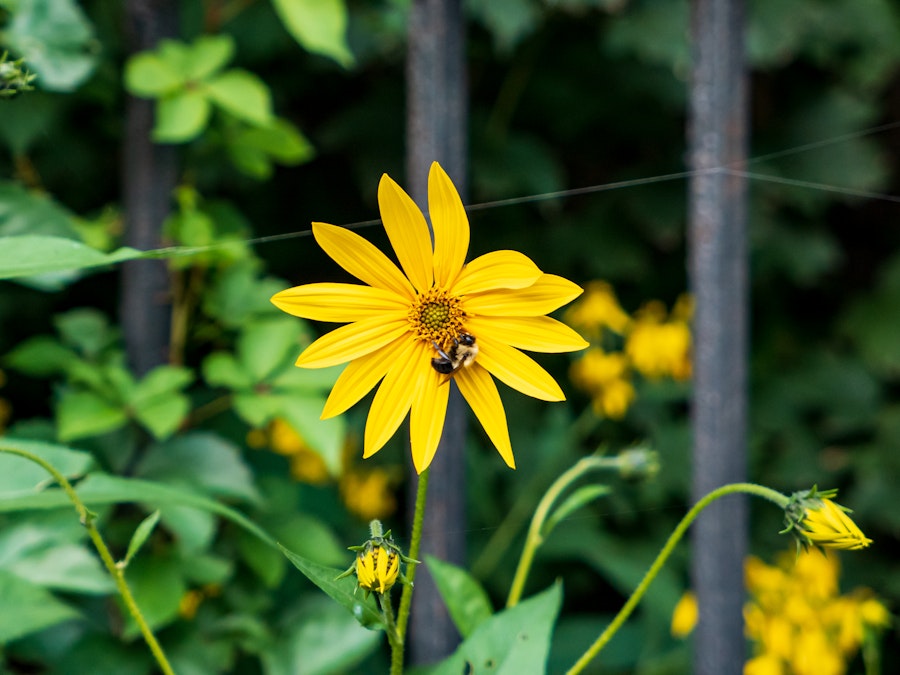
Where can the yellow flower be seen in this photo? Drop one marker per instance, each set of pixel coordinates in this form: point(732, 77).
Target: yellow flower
point(685, 615)
point(765, 664)
point(659, 347)
point(368, 494)
point(604, 376)
point(827, 524)
point(398, 322)
point(598, 309)
point(377, 568)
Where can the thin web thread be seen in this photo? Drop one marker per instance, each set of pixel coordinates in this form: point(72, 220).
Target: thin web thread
point(732, 169)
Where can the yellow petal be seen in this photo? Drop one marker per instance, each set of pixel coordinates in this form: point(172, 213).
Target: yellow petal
point(353, 340)
point(340, 303)
point(359, 377)
point(406, 228)
point(394, 397)
point(362, 259)
point(520, 372)
point(546, 294)
point(534, 333)
point(498, 269)
point(450, 224)
point(426, 421)
point(481, 394)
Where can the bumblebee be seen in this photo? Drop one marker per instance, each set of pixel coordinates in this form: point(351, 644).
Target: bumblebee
point(461, 353)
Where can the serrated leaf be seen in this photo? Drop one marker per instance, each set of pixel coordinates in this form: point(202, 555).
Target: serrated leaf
point(242, 94)
point(181, 117)
point(28, 255)
point(35, 608)
point(141, 533)
point(319, 26)
point(580, 497)
point(81, 414)
point(342, 590)
point(466, 601)
point(150, 76)
point(207, 55)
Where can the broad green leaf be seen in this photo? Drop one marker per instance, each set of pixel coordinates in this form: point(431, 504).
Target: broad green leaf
point(181, 117)
point(19, 475)
point(161, 381)
point(319, 639)
point(242, 94)
point(268, 563)
point(158, 585)
point(580, 497)
point(40, 356)
point(207, 55)
point(56, 39)
point(82, 413)
point(221, 369)
point(150, 76)
point(141, 533)
point(28, 212)
point(307, 380)
point(194, 529)
point(319, 26)
point(87, 330)
point(253, 149)
point(344, 591)
point(35, 608)
point(466, 601)
point(513, 641)
point(268, 344)
point(66, 567)
point(28, 255)
point(309, 537)
point(241, 295)
point(257, 409)
point(99, 489)
point(163, 415)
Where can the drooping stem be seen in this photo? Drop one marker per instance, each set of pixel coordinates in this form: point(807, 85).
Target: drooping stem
point(535, 536)
point(415, 543)
point(116, 572)
point(620, 618)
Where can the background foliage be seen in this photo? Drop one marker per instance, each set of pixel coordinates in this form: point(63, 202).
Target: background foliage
point(289, 112)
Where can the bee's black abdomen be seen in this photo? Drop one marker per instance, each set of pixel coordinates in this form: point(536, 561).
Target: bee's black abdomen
point(442, 365)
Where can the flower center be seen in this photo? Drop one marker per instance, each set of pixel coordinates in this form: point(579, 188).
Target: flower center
point(435, 316)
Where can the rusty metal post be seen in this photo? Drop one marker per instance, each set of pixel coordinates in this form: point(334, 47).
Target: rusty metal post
point(717, 137)
point(436, 130)
point(149, 173)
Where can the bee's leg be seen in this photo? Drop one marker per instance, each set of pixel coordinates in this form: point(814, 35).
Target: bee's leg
point(440, 351)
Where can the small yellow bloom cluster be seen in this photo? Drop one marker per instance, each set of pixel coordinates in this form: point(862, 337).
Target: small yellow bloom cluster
point(652, 342)
point(796, 618)
point(798, 621)
point(368, 494)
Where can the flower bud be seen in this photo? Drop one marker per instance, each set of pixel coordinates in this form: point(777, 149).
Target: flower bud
point(816, 520)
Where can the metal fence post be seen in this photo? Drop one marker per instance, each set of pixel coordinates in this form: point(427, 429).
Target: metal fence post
point(436, 130)
point(717, 136)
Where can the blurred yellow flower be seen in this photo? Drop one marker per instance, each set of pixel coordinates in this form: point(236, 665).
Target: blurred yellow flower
point(368, 494)
point(307, 465)
point(604, 377)
point(685, 615)
point(660, 346)
point(437, 319)
point(597, 309)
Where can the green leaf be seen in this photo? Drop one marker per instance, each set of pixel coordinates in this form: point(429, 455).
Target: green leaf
point(27, 212)
point(254, 149)
point(194, 528)
point(514, 641)
point(19, 475)
point(161, 381)
point(207, 55)
point(157, 404)
point(326, 437)
point(320, 26)
point(580, 497)
point(27, 255)
point(141, 533)
point(257, 409)
point(66, 567)
point(269, 564)
point(150, 76)
point(157, 585)
point(466, 601)
point(242, 94)
point(87, 330)
point(181, 117)
point(35, 608)
point(221, 369)
point(309, 537)
point(81, 414)
point(56, 39)
point(239, 295)
point(40, 356)
point(342, 590)
point(268, 344)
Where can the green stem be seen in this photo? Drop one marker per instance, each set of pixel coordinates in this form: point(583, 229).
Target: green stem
point(116, 572)
point(535, 536)
point(746, 488)
point(384, 601)
point(406, 598)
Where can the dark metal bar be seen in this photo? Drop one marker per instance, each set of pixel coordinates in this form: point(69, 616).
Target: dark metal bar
point(436, 130)
point(149, 173)
point(717, 136)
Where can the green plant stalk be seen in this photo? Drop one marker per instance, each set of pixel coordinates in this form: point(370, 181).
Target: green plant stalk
point(384, 601)
point(116, 572)
point(620, 618)
point(406, 598)
point(535, 537)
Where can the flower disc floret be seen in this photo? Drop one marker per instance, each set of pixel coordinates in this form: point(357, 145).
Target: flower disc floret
point(436, 316)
